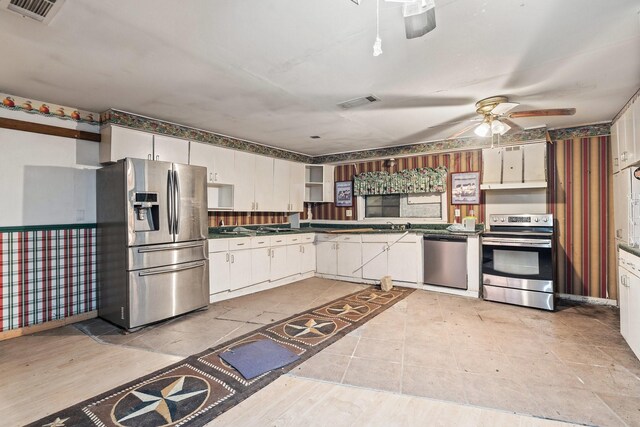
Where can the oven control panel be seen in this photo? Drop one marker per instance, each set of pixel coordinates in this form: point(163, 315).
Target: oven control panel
point(522, 220)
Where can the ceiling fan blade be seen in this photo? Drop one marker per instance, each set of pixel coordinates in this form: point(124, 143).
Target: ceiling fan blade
point(455, 122)
point(514, 126)
point(503, 107)
point(543, 113)
point(463, 131)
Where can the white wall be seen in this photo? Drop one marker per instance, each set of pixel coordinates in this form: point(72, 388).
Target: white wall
point(46, 179)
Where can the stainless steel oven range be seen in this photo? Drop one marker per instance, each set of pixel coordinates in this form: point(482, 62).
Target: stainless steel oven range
point(518, 260)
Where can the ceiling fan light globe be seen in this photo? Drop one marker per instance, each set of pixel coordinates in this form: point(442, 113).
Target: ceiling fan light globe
point(483, 129)
point(497, 127)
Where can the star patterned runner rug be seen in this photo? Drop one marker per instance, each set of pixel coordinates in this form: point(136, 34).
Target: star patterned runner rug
point(194, 391)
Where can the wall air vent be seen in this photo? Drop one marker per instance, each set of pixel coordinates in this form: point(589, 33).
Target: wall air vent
point(356, 102)
point(40, 10)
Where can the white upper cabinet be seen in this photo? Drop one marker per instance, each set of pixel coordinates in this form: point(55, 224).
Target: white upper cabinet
point(281, 184)
point(118, 143)
point(535, 162)
point(263, 195)
point(218, 161)
point(244, 184)
point(512, 165)
point(492, 166)
point(288, 186)
point(168, 149)
point(518, 166)
point(615, 151)
point(626, 139)
point(318, 183)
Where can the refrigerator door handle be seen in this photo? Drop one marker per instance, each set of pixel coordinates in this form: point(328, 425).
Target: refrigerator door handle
point(176, 201)
point(171, 270)
point(168, 248)
point(170, 201)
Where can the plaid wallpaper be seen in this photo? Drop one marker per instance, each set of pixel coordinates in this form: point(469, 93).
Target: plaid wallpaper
point(46, 274)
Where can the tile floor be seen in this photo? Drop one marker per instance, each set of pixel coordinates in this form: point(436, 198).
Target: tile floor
point(569, 365)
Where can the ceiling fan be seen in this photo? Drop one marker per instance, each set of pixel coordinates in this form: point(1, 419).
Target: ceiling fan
point(495, 117)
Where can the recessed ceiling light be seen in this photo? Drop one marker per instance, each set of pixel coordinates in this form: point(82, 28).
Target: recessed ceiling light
point(314, 137)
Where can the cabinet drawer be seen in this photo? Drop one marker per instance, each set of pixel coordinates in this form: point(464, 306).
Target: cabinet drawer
point(240, 243)
point(218, 245)
point(376, 238)
point(325, 237)
point(278, 240)
point(308, 238)
point(355, 238)
point(260, 242)
point(295, 239)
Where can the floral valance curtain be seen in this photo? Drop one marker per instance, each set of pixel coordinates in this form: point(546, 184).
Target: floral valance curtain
point(421, 180)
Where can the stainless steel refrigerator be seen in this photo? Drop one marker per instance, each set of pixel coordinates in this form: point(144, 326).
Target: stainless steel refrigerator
point(152, 241)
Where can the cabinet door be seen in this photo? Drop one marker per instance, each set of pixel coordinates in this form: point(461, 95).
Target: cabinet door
point(118, 143)
point(403, 262)
point(634, 314)
point(349, 259)
point(167, 149)
point(243, 191)
point(329, 183)
point(294, 259)
point(621, 192)
point(219, 278)
point(492, 166)
point(635, 113)
point(326, 258)
point(202, 155)
point(260, 265)
point(615, 147)
point(281, 178)
point(308, 262)
point(223, 167)
point(375, 255)
point(296, 186)
point(278, 262)
point(240, 269)
point(535, 162)
point(626, 139)
point(623, 300)
point(512, 164)
point(263, 195)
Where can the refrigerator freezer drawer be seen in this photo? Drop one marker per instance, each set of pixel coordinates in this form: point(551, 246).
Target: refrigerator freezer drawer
point(168, 254)
point(159, 293)
point(522, 297)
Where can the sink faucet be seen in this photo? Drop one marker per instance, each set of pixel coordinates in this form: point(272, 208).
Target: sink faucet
point(393, 226)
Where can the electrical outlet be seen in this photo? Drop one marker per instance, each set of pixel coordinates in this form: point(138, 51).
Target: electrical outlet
point(457, 212)
point(348, 213)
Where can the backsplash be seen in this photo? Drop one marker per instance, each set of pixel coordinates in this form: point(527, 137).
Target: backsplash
point(46, 273)
point(247, 218)
point(466, 161)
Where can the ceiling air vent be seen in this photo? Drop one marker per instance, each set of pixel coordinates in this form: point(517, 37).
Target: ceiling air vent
point(356, 102)
point(40, 10)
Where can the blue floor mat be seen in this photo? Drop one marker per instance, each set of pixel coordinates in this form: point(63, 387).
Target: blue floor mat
point(258, 357)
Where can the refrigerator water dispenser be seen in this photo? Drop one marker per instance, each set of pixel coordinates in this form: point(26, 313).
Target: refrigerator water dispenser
point(146, 209)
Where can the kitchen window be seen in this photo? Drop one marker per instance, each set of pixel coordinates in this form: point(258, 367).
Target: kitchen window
point(429, 206)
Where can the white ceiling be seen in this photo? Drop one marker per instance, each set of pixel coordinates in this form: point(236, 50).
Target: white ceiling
point(272, 71)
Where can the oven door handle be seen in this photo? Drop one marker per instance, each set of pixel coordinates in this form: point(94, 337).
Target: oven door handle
point(525, 243)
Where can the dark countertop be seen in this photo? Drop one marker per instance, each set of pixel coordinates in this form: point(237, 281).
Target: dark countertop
point(226, 231)
point(630, 249)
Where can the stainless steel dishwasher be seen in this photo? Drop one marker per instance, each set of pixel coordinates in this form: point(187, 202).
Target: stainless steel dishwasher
point(445, 260)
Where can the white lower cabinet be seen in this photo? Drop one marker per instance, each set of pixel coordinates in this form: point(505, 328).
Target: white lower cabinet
point(326, 261)
point(385, 255)
point(629, 299)
point(240, 269)
point(339, 255)
point(278, 263)
point(308, 259)
point(219, 275)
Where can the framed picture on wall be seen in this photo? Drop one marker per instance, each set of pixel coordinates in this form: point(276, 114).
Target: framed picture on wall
point(344, 193)
point(465, 188)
